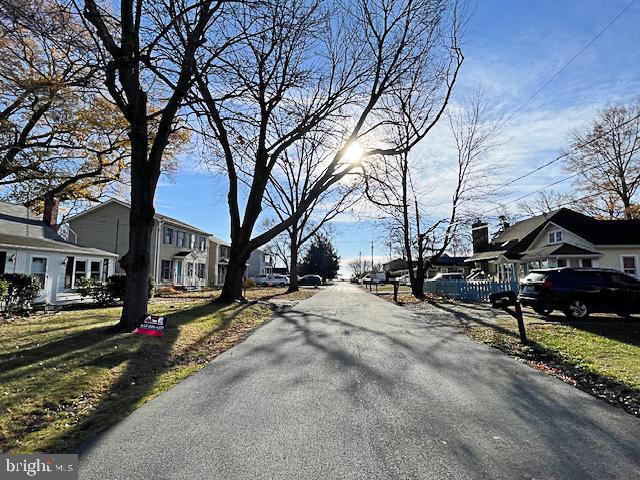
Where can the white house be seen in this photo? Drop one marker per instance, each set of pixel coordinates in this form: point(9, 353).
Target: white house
point(31, 245)
point(557, 239)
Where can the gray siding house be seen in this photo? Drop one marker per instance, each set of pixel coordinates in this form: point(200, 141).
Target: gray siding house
point(259, 264)
point(218, 261)
point(30, 244)
point(179, 251)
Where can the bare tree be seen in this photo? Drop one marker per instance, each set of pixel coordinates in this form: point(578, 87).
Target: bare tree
point(148, 52)
point(316, 66)
point(605, 157)
point(295, 172)
point(545, 202)
point(392, 189)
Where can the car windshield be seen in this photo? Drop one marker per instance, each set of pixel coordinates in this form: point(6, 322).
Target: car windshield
point(535, 277)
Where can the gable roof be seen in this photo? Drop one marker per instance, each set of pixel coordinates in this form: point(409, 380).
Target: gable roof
point(20, 221)
point(21, 227)
point(158, 216)
point(519, 236)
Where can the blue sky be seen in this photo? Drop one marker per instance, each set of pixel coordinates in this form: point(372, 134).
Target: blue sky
point(511, 48)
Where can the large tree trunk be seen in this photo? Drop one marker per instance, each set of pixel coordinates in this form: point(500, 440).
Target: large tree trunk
point(137, 261)
point(417, 283)
point(239, 254)
point(293, 271)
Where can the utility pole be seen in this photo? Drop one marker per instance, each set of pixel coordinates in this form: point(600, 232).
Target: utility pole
point(371, 283)
point(371, 256)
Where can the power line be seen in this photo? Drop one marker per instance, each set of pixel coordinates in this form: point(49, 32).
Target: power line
point(593, 167)
point(560, 157)
point(570, 61)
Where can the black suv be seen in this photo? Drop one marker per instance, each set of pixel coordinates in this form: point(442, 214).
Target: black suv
point(580, 291)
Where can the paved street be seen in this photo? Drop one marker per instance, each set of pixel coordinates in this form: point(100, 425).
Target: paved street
point(348, 386)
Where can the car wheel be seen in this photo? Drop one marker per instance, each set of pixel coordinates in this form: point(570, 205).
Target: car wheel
point(577, 310)
point(543, 310)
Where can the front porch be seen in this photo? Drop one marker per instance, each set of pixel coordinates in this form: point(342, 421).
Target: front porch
point(551, 256)
point(185, 270)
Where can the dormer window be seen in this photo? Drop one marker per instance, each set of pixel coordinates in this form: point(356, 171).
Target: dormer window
point(555, 236)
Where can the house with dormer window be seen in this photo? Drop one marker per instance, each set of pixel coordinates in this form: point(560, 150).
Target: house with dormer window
point(559, 238)
point(179, 251)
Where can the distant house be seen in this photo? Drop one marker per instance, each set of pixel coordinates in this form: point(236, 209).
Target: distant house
point(395, 265)
point(443, 264)
point(179, 251)
point(559, 238)
point(31, 244)
point(259, 264)
point(218, 261)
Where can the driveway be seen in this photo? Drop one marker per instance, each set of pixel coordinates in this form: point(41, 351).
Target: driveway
point(347, 386)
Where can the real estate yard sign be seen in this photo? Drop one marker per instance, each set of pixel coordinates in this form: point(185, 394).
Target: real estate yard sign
point(152, 325)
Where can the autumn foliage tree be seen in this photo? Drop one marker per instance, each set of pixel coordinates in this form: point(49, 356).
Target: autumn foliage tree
point(605, 159)
point(59, 136)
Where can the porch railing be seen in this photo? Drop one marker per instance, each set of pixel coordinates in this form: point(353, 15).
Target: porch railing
point(469, 291)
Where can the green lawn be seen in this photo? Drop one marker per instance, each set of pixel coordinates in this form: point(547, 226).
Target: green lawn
point(63, 377)
point(605, 346)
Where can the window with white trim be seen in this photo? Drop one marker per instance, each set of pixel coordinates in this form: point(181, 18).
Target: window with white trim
point(79, 272)
point(95, 271)
point(180, 239)
point(555, 236)
point(166, 270)
point(629, 265)
point(200, 271)
point(167, 235)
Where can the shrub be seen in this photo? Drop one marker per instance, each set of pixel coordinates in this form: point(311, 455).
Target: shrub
point(116, 286)
point(89, 288)
point(249, 283)
point(21, 290)
point(4, 289)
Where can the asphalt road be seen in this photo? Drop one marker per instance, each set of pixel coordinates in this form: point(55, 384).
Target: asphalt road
point(347, 386)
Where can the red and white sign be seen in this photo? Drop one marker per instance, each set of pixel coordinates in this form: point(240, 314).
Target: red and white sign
point(152, 325)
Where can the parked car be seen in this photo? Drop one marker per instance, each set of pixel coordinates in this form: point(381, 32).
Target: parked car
point(447, 277)
point(374, 278)
point(261, 280)
point(277, 280)
point(580, 291)
point(310, 281)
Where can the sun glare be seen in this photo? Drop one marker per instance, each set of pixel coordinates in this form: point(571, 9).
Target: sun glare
point(354, 153)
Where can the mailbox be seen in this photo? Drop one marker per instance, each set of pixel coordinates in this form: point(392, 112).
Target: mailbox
point(503, 299)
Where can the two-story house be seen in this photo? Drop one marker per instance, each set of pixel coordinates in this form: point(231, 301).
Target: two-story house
point(559, 238)
point(259, 264)
point(179, 251)
point(218, 261)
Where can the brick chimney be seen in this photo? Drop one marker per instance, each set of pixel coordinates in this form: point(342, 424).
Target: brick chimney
point(50, 214)
point(480, 236)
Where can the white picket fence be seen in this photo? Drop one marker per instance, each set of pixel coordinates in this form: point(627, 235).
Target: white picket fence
point(469, 291)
